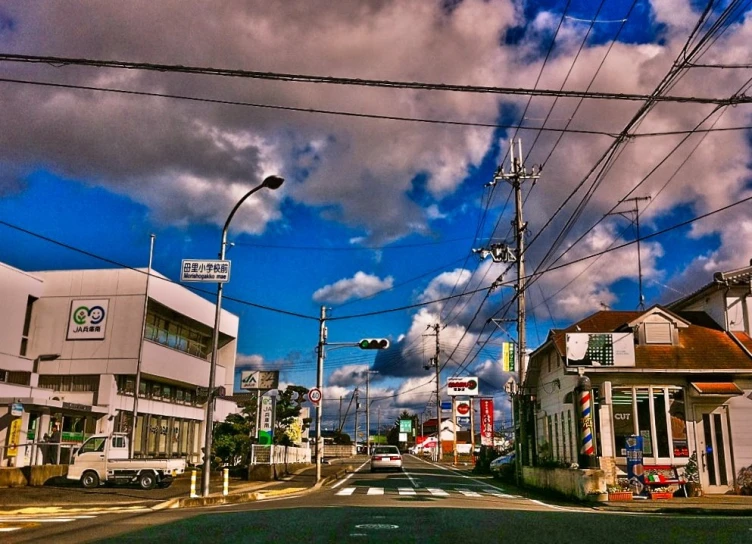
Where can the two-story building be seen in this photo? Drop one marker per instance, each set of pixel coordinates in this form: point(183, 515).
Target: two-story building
point(680, 376)
point(73, 343)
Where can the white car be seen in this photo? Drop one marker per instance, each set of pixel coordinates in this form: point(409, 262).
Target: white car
point(386, 457)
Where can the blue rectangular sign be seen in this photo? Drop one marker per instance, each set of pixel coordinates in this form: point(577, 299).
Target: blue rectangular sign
point(447, 405)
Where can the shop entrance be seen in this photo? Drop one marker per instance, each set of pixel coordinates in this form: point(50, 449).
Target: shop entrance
point(714, 449)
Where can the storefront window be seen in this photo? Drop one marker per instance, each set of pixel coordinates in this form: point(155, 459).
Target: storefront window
point(623, 419)
point(677, 413)
point(643, 421)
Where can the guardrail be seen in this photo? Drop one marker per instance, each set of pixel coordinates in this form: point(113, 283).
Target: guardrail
point(278, 455)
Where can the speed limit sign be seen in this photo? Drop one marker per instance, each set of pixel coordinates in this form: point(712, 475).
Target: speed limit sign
point(314, 395)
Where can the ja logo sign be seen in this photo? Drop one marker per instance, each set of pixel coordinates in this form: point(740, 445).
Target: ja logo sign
point(88, 319)
point(89, 316)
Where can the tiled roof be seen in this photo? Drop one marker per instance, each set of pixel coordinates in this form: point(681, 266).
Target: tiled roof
point(702, 345)
point(744, 338)
point(717, 388)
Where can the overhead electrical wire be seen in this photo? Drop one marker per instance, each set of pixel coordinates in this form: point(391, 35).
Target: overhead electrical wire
point(330, 80)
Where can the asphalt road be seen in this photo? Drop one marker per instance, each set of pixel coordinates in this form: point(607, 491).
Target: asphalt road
point(424, 503)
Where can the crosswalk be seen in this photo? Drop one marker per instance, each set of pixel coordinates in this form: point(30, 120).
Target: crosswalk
point(424, 491)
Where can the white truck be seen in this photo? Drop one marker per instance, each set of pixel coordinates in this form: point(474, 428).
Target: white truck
point(104, 458)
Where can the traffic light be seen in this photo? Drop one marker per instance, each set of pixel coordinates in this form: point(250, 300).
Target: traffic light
point(373, 343)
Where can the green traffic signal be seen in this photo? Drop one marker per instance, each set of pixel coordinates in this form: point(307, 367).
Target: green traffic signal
point(373, 343)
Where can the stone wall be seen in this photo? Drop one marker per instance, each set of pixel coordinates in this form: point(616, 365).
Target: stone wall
point(267, 473)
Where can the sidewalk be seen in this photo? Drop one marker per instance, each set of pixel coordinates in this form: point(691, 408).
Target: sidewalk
point(69, 496)
point(719, 505)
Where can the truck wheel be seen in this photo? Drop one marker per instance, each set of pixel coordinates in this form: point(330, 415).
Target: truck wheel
point(147, 480)
point(90, 479)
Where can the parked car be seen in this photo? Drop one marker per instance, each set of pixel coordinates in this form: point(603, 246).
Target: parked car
point(497, 464)
point(386, 457)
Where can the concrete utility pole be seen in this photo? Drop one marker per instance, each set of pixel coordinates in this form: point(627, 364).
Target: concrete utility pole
point(319, 385)
point(355, 433)
point(435, 362)
point(515, 177)
point(137, 385)
point(636, 220)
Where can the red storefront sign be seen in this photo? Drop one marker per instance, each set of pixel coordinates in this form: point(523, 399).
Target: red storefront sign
point(486, 422)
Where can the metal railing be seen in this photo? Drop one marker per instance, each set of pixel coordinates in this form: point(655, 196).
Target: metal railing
point(278, 455)
point(43, 453)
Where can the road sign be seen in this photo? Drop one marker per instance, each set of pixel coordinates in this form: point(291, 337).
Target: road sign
point(314, 395)
point(446, 405)
point(214, 271)
point(259, 379)
point(16, 409)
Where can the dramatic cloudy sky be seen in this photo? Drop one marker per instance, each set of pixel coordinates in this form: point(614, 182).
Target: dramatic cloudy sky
point(385, 194)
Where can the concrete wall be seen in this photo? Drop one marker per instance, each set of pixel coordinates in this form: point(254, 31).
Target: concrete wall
point(577, 483)
point(265, 473)
point(31, 476)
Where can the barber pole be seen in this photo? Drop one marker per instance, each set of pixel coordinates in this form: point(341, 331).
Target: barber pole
point(587, 447)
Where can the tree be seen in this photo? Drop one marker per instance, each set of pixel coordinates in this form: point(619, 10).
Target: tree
point(231, 440)
point(288, 428)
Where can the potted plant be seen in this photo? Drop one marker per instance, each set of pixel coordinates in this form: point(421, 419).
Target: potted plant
point(661, 493)
point(621, 491)
point(692, 477)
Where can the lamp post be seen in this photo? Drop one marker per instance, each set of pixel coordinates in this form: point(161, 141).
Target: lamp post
point(271, 182)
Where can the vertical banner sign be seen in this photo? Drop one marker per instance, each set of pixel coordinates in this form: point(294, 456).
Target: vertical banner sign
point(486, 422)
point(507, 356)
point(265, 422)
point(14, 435)
point(635, 469)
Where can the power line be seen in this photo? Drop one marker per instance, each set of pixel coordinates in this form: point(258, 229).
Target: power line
point(345, 81)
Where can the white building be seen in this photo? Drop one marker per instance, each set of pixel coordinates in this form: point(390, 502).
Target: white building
point(71, 347)
point(678, 376)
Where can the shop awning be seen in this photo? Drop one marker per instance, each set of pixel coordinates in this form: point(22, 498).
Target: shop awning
point(716, 389)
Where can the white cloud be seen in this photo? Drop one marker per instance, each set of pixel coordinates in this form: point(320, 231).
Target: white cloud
point(361, 285)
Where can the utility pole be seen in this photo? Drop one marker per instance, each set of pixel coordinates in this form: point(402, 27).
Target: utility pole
point(636, 211)
point(515, 177)
point(141, 350)
point(435, 362)
point(357, 405)
point(319, 385)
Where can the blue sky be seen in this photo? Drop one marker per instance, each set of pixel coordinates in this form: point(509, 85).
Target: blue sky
point(377, 216)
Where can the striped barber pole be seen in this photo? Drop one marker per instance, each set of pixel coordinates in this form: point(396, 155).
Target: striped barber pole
point(586, 431)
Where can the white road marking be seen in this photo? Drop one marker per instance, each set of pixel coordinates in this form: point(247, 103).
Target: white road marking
point(8, 529)
point(346, 491)
point(375, 491)
point(468, 493)
point(438, 492)
point(410, 478)
point(335, 486)
point(406, 491)
point(497, 493)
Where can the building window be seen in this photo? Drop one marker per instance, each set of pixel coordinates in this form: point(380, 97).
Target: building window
point(658, 333)
point(27, 326)
point(83, 383)
point(648, 412)
point(176, 335)
point(156, 390)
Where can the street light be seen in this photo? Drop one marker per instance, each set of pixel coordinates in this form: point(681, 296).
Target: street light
point(271, 182)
